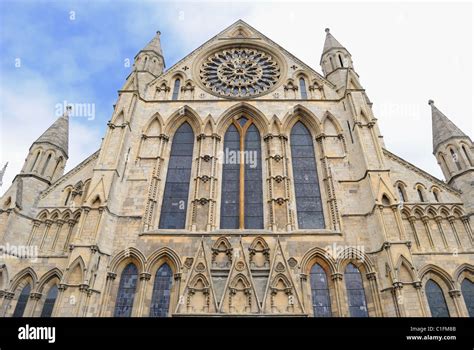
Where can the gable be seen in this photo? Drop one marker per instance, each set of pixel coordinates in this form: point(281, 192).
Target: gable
point(239, 35)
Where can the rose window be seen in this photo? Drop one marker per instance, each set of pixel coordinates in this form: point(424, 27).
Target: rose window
point(240, 72)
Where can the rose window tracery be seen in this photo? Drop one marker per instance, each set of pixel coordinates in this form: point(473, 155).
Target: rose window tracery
point(240, 72)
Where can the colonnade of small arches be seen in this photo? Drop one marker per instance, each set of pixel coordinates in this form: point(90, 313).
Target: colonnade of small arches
point(437, 227)
point(150, 286)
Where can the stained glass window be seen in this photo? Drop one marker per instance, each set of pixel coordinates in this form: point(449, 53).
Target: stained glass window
point(467, 288)
point(242, 156)
point(126, 292)
point(304, 94)
point(309, 209)
point(160, 300)
point(355, 292)
point(49, 302)
point(436, 300)
point(230, 180)
point(22, 301)
point(177, 85)
point(175, 197)
point(253, 197)
point(320, 292)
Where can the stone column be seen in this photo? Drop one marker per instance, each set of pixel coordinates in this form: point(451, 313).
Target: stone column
point(418, 286)
point(106, 296)
point(150, 216)
point(411, 220)
point(205, 183)
point(438, 220)
point(455, 294)
point(451, 220)
point(337, 280)
point(467, 227)
point(372, 278)
point(278, 183)
point(60, 224)
point(425, 220)
point(34, 297)
point(144, 278)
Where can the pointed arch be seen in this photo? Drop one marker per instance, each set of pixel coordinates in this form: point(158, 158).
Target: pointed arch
point(125, 255)
point(438, 271)
point(175, 197)
point(357, 257)
point(154, 126)
point(221, 253)
point(119, 118)
point(306, 185)
point(160, 300)
point(208, 125)
point(164, 255)
point(303, 114)
point(461, 271)
point(240, 278)
point(275, 285)
point(48, 276)
point(314, 255)
point(403, 262)
point(181, 115)
point(76, 271)
point(275, 125)
point(238, 109)
point(328, 118)
point(26, 274)
point(199, 282)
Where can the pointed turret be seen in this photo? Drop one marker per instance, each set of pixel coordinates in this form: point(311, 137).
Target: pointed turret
point(150, 59)
point(443, 128)
point(336, 62)
point(57, 134)
point(48, 154)
point(454, 151)
point(331, 43)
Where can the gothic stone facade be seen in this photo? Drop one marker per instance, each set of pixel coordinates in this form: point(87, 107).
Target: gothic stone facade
point(328, 222)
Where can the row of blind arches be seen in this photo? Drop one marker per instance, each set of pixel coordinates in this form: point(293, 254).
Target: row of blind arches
point(177, 86)
point(242, 192)
point(319, 292)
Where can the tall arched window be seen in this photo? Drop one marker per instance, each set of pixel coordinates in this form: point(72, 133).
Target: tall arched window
point(160, 300)
point(49, 302)
point(177, 85)
point(309, 208)
point(467, 289)
point(68, 196)
point(242, 194)
point(22, 301)
point(320, 292)
point(455, 158)
point(436, 300)
point(332, 63)
point(340, 60)
point(401, 194)
point(36, 160)
point(175, 197)
point(466, 154)
point(420, 194)
point(126, 291)
point(355, 292)
point(45, 166)
point(436, 195)
point(304, 94)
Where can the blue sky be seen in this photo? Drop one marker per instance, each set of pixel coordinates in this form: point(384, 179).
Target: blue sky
point(55, 51)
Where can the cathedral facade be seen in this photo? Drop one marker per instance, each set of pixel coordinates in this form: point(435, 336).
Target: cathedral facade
point(240, 181)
